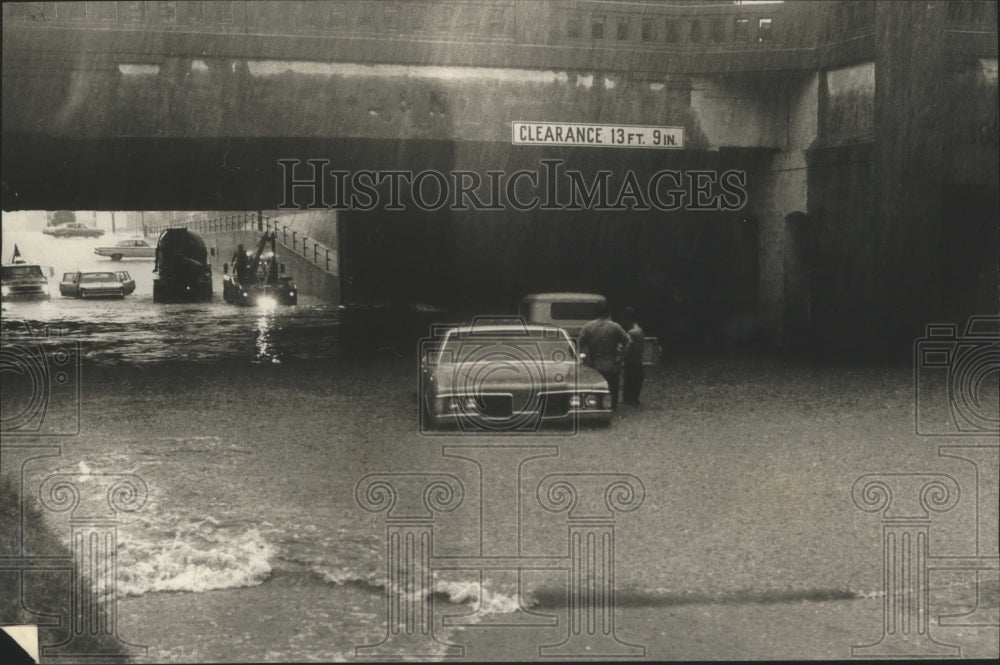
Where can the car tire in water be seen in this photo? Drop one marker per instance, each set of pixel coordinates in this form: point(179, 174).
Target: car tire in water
point(116, 257)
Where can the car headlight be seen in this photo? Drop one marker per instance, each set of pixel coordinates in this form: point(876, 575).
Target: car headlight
point(471, 404)
point(591, 401)
point(574, 401)
point(607, 401)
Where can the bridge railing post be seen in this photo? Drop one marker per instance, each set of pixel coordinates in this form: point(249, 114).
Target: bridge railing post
point(294, 246)
point(328, 260)
point(315, 253)
point(284, 234)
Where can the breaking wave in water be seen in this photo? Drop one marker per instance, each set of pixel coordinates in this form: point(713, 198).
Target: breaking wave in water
point(196, 560)
point(207, 555)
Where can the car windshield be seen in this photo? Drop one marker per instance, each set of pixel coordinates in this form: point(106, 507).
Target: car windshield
point(499, 349)
point(98, 277)
point(20, 272)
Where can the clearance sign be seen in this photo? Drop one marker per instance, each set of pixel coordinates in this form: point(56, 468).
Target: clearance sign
point(597, 136)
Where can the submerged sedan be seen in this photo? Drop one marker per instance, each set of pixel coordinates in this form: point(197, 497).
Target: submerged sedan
point(96, 284)
point(508, 378)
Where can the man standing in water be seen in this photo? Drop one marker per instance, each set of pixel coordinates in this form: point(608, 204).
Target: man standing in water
point(604, 344)
point(633, 370)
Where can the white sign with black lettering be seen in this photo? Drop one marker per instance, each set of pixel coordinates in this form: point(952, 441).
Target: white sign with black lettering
point(598, 136)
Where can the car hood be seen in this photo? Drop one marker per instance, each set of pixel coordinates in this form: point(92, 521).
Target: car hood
point(513, 376)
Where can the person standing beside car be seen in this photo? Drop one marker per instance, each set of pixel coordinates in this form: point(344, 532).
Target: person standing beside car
point(633, 371)
point(604, 343)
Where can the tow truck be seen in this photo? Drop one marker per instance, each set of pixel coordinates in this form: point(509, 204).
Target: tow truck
point(258, 278)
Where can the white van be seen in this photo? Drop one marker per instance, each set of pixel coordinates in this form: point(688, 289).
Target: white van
point(571, 312)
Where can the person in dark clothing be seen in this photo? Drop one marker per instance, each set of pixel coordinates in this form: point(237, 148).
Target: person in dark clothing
point(240, 264)
point(604, 343)
point(633, 369)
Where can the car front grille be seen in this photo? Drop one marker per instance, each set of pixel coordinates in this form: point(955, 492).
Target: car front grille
point(555, 405)
point(495, 406)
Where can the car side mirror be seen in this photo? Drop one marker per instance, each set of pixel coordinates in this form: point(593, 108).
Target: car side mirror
point(225, 268)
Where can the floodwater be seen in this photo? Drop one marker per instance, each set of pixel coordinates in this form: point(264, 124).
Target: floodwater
point(251, 431)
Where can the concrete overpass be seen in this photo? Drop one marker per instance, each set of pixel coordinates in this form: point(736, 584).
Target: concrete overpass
point(828, 107)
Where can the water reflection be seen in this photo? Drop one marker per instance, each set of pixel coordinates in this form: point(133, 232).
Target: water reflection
point(266, 351)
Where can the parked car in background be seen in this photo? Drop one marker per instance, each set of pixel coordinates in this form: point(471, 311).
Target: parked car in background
point(133, 248)
point(96, 284)
point(73, 230)
point(508, 378)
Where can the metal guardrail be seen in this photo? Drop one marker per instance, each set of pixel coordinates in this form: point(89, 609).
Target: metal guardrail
point(316, 253)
